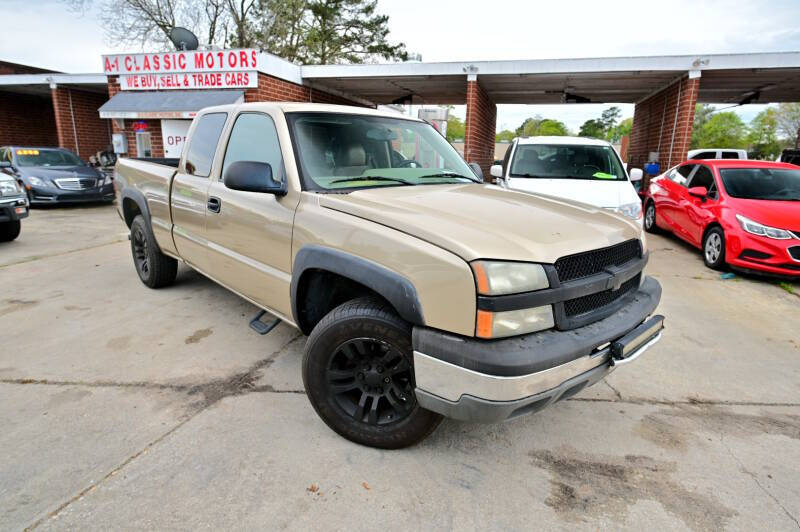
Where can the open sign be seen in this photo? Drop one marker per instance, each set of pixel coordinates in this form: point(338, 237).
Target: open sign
point(174, 133)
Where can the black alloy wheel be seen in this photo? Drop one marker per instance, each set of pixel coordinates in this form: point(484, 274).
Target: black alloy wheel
point(155, 269)
point(140, 257)
point(358, 372)
point(371, 381)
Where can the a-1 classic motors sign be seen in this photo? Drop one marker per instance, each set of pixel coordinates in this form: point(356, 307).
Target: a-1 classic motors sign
point(195, 69)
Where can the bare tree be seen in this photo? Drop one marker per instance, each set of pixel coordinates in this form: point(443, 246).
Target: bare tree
point(301, 31)
point(145, 24)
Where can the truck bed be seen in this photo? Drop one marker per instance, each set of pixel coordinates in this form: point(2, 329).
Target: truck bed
point(152, 179)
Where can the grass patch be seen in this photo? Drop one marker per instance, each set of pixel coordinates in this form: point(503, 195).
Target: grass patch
point(788, 287)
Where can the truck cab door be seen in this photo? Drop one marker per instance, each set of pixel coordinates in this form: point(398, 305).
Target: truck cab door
point(250, 233)
point(189, 192)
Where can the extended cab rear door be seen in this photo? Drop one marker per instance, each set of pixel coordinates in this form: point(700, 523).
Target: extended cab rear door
point(189, 194)
point(250, 235)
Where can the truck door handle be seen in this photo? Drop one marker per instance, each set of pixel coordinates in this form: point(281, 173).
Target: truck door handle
point(214, 204)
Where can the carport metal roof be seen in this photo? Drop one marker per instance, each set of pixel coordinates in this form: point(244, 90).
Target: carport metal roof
point(724, 78)
point(166, 104)
point(41, 83)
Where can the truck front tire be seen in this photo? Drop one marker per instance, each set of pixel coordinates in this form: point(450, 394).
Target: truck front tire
point(359, 376)
point(155, 269)
point(10, 230)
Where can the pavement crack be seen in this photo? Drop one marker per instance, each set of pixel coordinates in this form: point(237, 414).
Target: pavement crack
point(616, 392)
point(693, 402)
point(93, 486)
point(212, 392)
point(69, 252)
point(756, 481)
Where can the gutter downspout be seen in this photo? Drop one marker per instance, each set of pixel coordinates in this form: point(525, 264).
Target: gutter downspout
point(74, 129)
point(675, 123)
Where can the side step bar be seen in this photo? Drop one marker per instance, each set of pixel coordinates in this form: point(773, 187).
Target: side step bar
point(260, 327)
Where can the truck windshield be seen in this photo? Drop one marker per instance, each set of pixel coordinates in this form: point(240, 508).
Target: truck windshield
point(37, 157)
point(558, 161)
point(762, 183)
point(347, 151)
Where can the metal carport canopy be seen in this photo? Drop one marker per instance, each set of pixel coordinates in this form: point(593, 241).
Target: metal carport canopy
point(166, 104)
point(724, 78)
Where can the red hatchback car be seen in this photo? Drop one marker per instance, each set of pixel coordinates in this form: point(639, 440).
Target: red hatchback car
point(745, 214)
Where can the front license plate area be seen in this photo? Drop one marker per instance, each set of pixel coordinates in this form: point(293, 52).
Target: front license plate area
point(627, 346)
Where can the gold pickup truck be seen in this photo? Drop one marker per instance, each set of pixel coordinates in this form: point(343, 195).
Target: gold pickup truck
point(424, 292)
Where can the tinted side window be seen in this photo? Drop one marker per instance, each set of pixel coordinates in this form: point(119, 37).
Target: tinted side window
point(203, 144)
point(682, 174)
point(706, 155)
point(730, 155)
point(254, 138)
point(702, 178)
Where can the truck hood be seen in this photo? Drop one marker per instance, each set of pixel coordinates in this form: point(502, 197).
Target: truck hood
point(485, 221)
point(597, 192)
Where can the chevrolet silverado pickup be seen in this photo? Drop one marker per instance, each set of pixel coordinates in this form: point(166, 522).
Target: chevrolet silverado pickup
point(424, 292)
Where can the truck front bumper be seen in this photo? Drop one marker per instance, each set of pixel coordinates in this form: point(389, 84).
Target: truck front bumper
point(492, 380)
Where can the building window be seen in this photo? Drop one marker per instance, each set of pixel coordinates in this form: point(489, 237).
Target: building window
point(143, 146)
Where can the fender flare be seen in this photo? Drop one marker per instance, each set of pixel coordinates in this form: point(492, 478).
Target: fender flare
point(393, 287)
point(138, 198)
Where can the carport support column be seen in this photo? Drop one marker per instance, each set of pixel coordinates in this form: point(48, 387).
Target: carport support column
point(662, 123)
point(480, 127)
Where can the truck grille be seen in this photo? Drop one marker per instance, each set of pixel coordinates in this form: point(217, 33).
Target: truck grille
point(75, 183)
point(592, 302)
point(591, 262)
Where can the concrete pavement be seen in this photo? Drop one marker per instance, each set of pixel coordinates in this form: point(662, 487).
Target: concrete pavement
point(129, 408)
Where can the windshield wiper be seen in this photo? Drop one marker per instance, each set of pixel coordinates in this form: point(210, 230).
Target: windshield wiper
point(372, 178)
point(448, 174)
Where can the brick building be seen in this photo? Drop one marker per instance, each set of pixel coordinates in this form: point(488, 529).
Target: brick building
point(151, 108)
point(154, 123)
point(41, 107)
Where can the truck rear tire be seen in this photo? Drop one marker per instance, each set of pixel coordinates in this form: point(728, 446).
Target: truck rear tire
point(10, 230)
point(358, 373)
point(155, 269)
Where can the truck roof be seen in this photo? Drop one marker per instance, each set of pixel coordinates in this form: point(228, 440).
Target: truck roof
point(295, 107)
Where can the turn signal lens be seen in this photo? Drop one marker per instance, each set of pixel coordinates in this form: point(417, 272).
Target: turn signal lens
point(483, 327)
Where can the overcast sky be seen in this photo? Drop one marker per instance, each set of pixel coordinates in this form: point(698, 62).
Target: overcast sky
point(45, 33)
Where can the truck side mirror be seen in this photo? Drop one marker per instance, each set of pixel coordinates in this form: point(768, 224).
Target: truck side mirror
point(476, 169)
point(496, 171)
point(252, 176)
point(636, 174)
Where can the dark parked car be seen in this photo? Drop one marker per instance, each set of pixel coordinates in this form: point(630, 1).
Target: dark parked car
point(13, 207)
point(55, 175)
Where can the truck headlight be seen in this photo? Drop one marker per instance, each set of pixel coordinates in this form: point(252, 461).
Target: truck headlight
point(513, 322)
point(496, 278)
point(9, 187)
point(756, 228)
point(631, 210)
